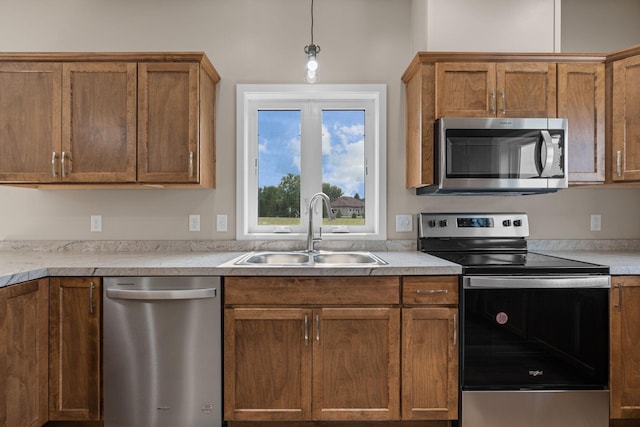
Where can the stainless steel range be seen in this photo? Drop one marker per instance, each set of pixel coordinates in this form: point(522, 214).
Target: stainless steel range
point(534, 328)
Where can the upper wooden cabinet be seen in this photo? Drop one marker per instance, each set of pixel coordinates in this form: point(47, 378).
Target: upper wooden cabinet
point(98, 122)
point(442, 84)
point(30, 121)
point(623, 132)
point(581, 99)
point(106, 119)
point(176, 124)
point(485, 89)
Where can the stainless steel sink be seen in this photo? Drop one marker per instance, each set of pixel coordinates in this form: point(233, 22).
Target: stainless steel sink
point(306, 259)
point(275, 258)
point(347, 258)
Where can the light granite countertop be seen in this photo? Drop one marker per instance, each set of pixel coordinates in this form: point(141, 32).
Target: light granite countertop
point(21, 266)
point(21, 261)
point(621, 263)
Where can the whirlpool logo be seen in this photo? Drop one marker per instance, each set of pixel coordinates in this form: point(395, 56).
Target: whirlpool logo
point(536, 373)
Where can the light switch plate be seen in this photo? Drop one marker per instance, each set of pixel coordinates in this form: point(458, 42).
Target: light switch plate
point(596, 222)
point(96, 223)
point(194, 222)
point(404, 223)
point(221, 223)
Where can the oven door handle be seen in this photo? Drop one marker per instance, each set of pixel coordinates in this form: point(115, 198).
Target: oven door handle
point(515, 282)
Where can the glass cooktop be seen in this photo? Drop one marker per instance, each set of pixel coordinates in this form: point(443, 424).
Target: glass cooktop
point(518, 263)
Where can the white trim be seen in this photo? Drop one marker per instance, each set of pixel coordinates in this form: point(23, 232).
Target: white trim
point(375, 153)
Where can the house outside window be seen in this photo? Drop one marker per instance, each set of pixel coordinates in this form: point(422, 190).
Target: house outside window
point(296, 140)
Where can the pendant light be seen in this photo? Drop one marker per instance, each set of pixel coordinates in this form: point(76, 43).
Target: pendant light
point(312, 50)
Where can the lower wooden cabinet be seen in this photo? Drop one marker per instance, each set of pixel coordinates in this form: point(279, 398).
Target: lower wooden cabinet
point(341, 349)
point(315, 361)
point(625, 347)
point(75, 340)
point(23, 354)
point(430, 348)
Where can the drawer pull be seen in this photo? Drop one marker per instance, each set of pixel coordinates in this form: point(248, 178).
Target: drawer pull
point(91, 306)
point(431, 291)
point(306, 329)
point(618, 286)
point(53, 165)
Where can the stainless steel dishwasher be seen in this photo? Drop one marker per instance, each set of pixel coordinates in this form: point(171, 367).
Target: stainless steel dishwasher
point(162, 352)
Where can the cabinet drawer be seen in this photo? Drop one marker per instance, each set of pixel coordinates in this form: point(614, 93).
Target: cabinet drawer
point(430, 290)
point(284, 291)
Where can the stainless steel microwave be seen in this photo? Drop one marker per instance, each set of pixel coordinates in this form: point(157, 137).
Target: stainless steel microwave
point(499, 156)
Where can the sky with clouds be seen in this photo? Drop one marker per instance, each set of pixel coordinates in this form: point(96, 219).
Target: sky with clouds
point(342, 148)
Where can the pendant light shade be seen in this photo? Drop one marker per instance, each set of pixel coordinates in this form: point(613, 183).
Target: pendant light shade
point(312, 50)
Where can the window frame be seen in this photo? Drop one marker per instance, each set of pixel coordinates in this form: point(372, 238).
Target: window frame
point(251, 98)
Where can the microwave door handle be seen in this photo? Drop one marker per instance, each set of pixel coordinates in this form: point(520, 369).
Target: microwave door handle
point(546, 161)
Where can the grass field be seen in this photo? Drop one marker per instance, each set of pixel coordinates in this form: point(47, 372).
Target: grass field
point(296, 221)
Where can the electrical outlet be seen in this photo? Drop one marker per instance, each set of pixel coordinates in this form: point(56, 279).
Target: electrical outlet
point(96, 223)
point(404, 223)
point(596, 222)
point(221, 223)
point(194, 222)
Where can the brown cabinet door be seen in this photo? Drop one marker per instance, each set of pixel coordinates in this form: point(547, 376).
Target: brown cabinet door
point(168, 123)
point(465, 89)
point(625, 138)
point(74, 362)
point(526, 89)
point(625, 347)
point(581, 100)
point(420, 111)
point(24, 354)
point(429, 363)
point(356, 362)
point(99, 122)
point(267, 364)
point(30, 121)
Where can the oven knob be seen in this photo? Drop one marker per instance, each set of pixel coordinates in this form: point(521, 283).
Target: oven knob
point(432, 223)
point(517, 223)
point(506, 223)
point(443, 223)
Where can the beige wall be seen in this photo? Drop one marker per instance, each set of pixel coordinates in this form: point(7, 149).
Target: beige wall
point(254, 41)
point(599, 25)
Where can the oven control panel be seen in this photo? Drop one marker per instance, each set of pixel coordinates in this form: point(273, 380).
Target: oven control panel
point(443, 225)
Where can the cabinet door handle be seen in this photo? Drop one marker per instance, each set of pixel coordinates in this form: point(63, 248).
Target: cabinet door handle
point(317, 328)
point(455, 329)
point(494, 102)
point(91, 288)
point(618, 286)
point(504, 103)
point(431, 291)
point(619, 162)
point(306, 329)
point(62, 164)
point(54, 172)
point(190, 164)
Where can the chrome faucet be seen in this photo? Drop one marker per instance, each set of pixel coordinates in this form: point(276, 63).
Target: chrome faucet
point(311, 239)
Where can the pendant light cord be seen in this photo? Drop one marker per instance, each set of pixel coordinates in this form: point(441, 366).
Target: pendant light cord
point(311, 21)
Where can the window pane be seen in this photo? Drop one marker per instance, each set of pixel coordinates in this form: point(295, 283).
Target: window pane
point(278, 167)
point(343, 164)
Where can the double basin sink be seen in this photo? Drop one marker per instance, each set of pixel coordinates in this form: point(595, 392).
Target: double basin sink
point(310, 259)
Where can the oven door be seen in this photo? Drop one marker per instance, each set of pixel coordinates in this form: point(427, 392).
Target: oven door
point(548, 333)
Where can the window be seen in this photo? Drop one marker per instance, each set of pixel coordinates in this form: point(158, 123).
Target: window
point(298, 140)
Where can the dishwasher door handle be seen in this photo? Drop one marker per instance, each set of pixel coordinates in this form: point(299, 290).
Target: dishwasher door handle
point(173, 294)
